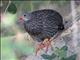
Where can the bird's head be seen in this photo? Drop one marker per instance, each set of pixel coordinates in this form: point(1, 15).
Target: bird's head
point(24, 17)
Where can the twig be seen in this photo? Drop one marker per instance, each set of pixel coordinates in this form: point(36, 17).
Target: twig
point(7, 6)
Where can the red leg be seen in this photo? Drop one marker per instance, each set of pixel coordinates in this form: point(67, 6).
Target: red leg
point(47, 43)
point(47, 49)
point(39, 47)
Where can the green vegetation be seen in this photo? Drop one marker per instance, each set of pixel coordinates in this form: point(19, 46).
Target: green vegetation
point(8, 47)
point(61, 53)
point(12, 8)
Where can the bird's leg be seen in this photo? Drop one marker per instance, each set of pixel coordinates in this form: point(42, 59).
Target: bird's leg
point(47, 49)
point(39, 47)
point(47, 43)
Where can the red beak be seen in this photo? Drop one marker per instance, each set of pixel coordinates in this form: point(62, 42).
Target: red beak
point(21, 18)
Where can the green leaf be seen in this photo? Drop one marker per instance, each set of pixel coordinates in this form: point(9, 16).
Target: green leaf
point(53, 56)
point(45, 56)
point(12, 8)
point(65, 48)
point(61, 52)
point(49, 57)
point(73, 57)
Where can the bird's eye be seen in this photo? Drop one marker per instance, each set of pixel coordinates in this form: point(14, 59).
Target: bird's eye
point(24, 15)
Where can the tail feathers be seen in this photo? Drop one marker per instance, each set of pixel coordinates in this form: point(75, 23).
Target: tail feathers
point(61, 27)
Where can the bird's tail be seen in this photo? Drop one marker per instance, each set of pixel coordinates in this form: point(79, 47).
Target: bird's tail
point(61, 27)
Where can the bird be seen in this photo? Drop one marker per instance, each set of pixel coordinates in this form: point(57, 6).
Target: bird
point(42, 25)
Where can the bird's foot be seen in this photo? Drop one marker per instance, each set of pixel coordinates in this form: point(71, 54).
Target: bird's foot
point(39, 47)
point(46, 43)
